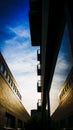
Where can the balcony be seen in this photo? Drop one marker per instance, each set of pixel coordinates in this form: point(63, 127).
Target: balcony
point(39, 86)
point(38, 55)
point(38, 69)
point(39, 105)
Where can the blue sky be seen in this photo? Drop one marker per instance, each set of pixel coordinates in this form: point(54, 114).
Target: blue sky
point(15, 45)
point(21, 57)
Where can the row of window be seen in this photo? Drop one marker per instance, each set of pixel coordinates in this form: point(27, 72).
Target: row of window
point(10, 81)
point(10, 121)
point(67, 86)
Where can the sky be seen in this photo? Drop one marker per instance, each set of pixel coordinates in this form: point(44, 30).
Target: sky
point(15, 46)
point(21, 57)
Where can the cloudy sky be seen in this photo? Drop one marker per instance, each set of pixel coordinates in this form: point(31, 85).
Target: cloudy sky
point(15, 45)
point(21, 57)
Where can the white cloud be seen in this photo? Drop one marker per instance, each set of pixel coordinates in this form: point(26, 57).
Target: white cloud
point(20, 31)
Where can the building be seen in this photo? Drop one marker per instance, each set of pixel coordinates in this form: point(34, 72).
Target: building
point(13, 115)
point(47, 20)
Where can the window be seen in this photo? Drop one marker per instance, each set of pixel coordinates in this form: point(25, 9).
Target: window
point(15, 88)
point(2, 68)
point(10, 120)
point(62, 122)
point(11, 82)
point(5, 73)
point(68, 84)
point(20, 97)
point(8, 78)
point(66, 87)
point(19, 124)
point(17, 92)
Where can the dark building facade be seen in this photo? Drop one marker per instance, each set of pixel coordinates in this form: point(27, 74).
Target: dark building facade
point(47, 19)
point(13, 115)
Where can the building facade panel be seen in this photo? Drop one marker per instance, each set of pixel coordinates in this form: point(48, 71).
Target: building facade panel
point(13, 114)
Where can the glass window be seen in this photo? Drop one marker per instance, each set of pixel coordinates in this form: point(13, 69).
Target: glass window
point(15, 89)
point(5, 73)
point(2, 68)
point(19, 124)
point(11, 82)
point(20, 97)
point(62, 69)
point(10, 120)
point(66, 88)
point(13, 86)
point(8, 78)
point(18, 93)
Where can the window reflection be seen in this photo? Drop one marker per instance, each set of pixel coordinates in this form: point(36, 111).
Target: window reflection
point(62, 69)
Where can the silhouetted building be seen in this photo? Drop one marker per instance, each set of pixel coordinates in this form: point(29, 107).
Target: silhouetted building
point(47, 20)
point(34, 112)
point(13, 114)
